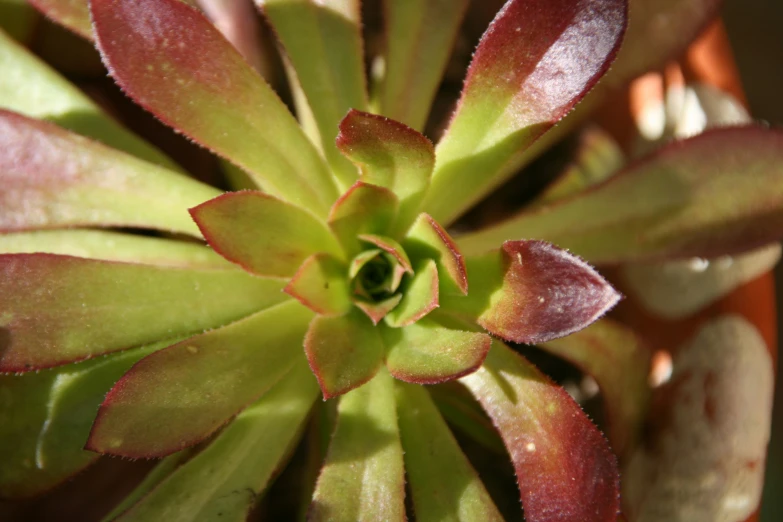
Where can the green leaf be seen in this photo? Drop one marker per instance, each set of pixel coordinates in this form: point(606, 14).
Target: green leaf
point(186, 73)
point(323, 41)
point(535, 62)
point(565, 469)
point(419, 38)
point(391, 155)
point(59, 309)
point(73, 14)
point(112, 246)
point(531, 292)
point(344, 352)
point(179, 396)
point(444, 485)
point(376, 311)
point(363, 209)
point(618, 361)
point(52, 178)
point(18, 19)
point(262, 234)
point(46, 418)
point(55, 99)
point(363, 476)
point(223, 481)
point(427, 239)
point(391, 247)
point(718, 193)
point(427, 353)
point(320, 284)
point(420, 297)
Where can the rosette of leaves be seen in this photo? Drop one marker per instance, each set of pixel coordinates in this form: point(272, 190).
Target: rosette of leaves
point(336, 276)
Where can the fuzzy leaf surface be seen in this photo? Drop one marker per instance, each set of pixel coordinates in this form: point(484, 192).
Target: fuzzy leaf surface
point(427, 239)
point(179, 396)
point(718, 193)
point(391, 155)
point(344, 352)
point(565, 469)
point(186, 73)
point(323, 41)
point(363, 476)
point(222, 481)
point(51, 178)
point(49, 96)
point(444, 485)
point(419, 297)
point(426, 353)
point(536, 60)
point(618, 361)
point(262, 234)
point(46, 419)
point(43, 296)
point(531, 292)
point(112, 246)
point(420, 35)
point(362, 209)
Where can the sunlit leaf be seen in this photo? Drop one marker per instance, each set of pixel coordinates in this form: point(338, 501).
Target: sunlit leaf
point(362, 209)
point(419, 298)
point(427, 239)
point(116, 306)
point(320, 285)
point(198, 384)
point(565, 469)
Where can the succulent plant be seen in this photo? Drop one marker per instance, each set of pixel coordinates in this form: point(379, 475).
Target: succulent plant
point(209, 340)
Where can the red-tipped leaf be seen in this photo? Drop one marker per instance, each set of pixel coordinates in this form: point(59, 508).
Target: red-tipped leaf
point(320, 285)
point(565, 469)
point(427, 239)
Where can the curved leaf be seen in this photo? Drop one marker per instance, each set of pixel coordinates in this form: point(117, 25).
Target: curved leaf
point(323, 41)
point(52, 178)
point(720, 192)
point(565, 470)
point(427, 239)
point(391, 155)
point(531, 292)
point(443, 483)
point(363, 476)
point(320, 285)
point(362, 209)
point(59, 309)
point(46, 419)
point(535, 62)
point(222, 481)
point(344, 352)
point(178, 396)
point(72, 14)
point(262, 234)
point(419, 38)
point(57, 100)
point(419, 297)
point(185, 72)
point(112, 246)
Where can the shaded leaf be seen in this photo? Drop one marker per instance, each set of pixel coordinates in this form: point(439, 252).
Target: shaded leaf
point(419, 297)
point(537, 59)
point(531, 292)
point(427, 238)
point(391, 247)
point(187, 74)
point(391, 155)
point(718, 193)
point(427, 353)
point(50, 177)
point(363, 209)
point(320, 285)
point(363, 476)
point(262, 234)
point(115, 306)
point(323, 41)
point(72, 14)
point(565, 470)
point(222, 481)
point(443, 483)
point(112, 246)
point(344, 352)
point(46, 419)
point(419, 38)
point(57, 100)
point(618, 361)
point(376, 311)
point(197, 385)
point(18, 19)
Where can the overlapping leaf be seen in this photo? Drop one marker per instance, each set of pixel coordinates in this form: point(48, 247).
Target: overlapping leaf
point(198, 384)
